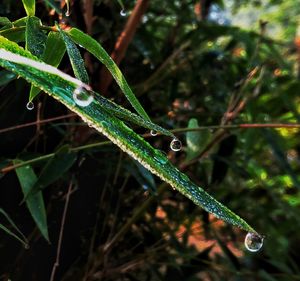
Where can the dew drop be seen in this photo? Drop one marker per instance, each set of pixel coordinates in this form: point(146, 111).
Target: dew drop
point(82, 96)
point(26, 246)
point(253, 242)
point(153, 133)
point(30, 105)
point(123, 13)
point(175, 145)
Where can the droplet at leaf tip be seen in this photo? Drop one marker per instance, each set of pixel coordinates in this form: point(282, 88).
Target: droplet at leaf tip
point(253, 242)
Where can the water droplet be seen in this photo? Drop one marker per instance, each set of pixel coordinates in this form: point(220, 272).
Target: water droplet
point(30, 105)
point(153, 133)
point(83, 96)
point(67, 13)
point(26, 246)
point(175, 145)
point(253, 242)
point(123, 13)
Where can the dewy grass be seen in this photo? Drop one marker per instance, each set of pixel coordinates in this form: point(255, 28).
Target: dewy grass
point(61, 86)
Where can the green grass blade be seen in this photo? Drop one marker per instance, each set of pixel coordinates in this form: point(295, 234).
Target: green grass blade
point(75, 58)
point(35, 203)
point(53, 54)
point(98, 51)
point(29, 6)
point(61, 86)
point(127, 115)
point(20, 238)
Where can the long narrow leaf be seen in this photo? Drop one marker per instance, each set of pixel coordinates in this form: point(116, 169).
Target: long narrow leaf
point(35, 203)
point(29, 6)
point(61, 87)
point(53, 54)
point(97, 50)
point(75, 58)
point(127, 115)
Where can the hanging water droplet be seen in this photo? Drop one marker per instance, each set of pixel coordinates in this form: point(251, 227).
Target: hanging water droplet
point(30, 105)
point(26, 246)
point(153, 133)
point(83, 96)
point(123, 13)
point(175, 145)
point(253, 242)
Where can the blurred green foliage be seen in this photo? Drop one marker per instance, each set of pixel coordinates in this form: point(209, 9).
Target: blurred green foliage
point(183, 65)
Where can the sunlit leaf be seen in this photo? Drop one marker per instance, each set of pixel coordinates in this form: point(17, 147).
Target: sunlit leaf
point(61, 86)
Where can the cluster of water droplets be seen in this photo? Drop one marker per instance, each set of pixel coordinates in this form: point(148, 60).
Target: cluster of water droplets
point(83, 95)
point(254, 242)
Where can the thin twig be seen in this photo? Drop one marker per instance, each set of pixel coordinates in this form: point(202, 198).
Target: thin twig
point(56, 264)
point(177, 131)
point(38, 122)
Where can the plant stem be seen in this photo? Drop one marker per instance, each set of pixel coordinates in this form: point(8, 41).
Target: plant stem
point(63, 220)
